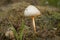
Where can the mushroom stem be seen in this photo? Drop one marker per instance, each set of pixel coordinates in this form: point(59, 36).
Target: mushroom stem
point(34, 24)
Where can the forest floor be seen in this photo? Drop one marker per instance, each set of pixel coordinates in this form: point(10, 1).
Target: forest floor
point(14, 14)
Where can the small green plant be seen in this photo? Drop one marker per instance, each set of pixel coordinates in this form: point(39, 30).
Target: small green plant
point(19, 35)
point(21, 31)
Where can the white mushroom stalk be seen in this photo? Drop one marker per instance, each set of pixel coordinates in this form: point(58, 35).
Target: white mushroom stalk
point(34, 24)
point(32, 11)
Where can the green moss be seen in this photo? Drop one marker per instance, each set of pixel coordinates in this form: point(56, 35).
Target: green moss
point(56, 15)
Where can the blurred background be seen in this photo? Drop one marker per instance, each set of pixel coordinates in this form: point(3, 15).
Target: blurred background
point(15, 26)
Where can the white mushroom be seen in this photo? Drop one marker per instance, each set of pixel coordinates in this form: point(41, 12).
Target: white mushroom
point(32, 11)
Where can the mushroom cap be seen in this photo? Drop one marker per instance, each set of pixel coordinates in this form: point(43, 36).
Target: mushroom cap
point(31, 11)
